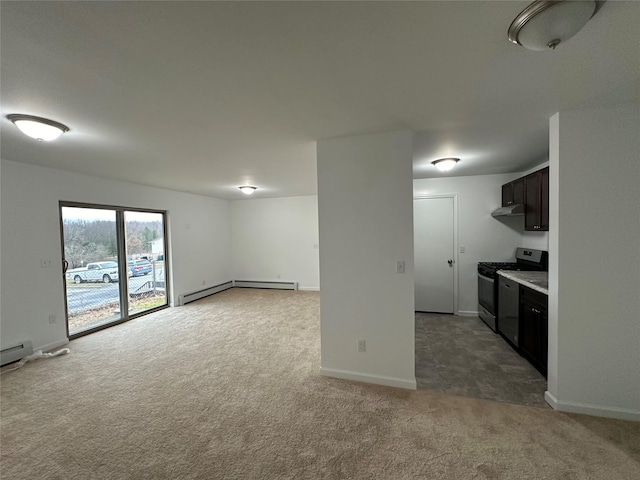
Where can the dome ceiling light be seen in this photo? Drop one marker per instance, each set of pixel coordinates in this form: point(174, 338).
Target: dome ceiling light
point(445, 164)
point(247, 189)
point(545, 24)
point(38, 127)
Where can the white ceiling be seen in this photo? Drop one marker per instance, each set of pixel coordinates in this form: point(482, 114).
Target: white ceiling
point(205, 96)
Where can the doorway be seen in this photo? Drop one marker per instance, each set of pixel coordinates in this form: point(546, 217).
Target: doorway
point(435, 244)
point(115, 264)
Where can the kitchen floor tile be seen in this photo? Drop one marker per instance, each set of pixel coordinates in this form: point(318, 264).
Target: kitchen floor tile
point(462, 356)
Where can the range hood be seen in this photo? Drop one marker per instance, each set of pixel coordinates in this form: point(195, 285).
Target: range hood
point(509, 211)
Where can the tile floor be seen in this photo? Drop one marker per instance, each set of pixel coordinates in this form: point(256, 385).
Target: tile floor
point(462, 356)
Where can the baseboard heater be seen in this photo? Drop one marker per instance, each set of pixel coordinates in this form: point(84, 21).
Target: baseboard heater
point(193, 296)
point(267, 284)
point(15, 353)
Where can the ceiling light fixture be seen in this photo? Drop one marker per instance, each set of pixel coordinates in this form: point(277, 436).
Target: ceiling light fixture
point(445, 164)
point(545, 24)
point(38, 127)
point(247, 189)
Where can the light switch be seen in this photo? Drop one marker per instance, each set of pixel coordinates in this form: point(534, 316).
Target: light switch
point(400, 266)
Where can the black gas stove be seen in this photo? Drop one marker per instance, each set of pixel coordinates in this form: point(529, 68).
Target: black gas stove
point(526, 260)
point(489, 269)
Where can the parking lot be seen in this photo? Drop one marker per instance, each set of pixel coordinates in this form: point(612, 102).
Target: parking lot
point(86, 296)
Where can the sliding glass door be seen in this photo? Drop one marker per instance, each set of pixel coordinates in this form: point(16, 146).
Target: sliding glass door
point(114, 264)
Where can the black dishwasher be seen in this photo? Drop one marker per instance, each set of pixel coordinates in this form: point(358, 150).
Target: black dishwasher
point(508, 309)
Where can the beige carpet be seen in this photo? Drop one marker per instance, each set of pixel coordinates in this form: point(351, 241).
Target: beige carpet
point(228, 388)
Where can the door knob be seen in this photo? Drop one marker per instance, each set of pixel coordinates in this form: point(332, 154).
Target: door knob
point(450, 262)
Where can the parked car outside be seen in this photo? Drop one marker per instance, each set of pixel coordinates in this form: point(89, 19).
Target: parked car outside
point(105, 272)
point(139, 267)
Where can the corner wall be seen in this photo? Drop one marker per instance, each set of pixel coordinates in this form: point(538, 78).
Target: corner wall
point(30, 231)
point(276, 238)
point(366, 224)
point(594, 264)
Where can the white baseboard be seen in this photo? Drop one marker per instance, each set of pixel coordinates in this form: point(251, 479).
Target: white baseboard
point(593, 410)
point(309, 289)
point(274, 284)
point(408, 384)
point(205, 292)
point(468, 313)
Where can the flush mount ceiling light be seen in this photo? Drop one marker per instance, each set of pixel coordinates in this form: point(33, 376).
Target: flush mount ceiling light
point(37, 127)
point(545, 24)
point(247, 189)
point(445, 164)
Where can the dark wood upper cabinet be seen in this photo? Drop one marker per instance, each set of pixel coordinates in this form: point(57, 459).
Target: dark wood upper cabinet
point(513, 192)
point(536, 201)
point(533, 192)
point(507, 194)
point(544, 199)
point(518, 190)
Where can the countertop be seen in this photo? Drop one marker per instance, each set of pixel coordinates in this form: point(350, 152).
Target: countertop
point(538, 281)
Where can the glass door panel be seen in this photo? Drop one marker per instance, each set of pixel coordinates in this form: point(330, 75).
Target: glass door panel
point(146, 274)
point(92, 276)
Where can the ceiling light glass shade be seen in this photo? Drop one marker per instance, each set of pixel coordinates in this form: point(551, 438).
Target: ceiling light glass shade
point(445, 164)
point(37, 127)
point(247, 190)
point(545, 24)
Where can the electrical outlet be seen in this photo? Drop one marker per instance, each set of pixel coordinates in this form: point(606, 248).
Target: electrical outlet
point(462, 248)
point(400, 266)
point(46, 263)
point(362, 347)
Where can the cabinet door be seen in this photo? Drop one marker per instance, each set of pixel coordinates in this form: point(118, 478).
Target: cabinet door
point(507, 194)
point(543, 340)
point(532, 201)
point(517, 188)
point(544, 199)
point(528, 331)
point(534, 328)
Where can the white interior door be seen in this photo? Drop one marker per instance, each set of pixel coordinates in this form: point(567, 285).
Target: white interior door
point(433, 226)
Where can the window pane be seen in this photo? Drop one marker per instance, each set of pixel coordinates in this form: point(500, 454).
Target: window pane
point(145, 260)
point(90, 248)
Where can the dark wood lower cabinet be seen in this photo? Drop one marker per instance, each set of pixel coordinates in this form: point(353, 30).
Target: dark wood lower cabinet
point(533, 328)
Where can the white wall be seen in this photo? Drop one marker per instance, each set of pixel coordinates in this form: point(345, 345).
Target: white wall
point(30, 231)
point(594, 301)
point(485, 238)
point(366, 225)
point(276, 238)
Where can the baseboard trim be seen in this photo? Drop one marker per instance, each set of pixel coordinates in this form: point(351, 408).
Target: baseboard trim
point(309, 289)
point(368, 378)
point(269, 284)
point(205, 292)
point(468, 313)
point(593, 410)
